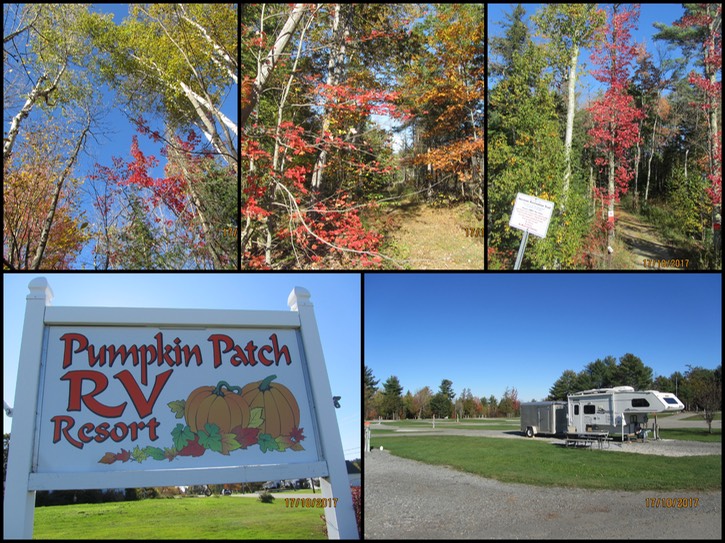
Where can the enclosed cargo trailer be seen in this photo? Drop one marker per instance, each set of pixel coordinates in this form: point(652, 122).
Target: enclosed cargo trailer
point(543, 418)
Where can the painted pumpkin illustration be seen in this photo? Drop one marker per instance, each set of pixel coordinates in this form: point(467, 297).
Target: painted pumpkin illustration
point(281, 412)
point(225, 408)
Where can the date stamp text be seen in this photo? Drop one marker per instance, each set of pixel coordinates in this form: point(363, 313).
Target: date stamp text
point(666, 262)
point(671, 503)
point(310, 503)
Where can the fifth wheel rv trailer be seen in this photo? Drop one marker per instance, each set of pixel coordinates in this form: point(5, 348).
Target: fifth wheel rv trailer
point(614, 410)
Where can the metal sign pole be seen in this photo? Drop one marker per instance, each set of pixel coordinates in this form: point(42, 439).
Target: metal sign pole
point(522, 248)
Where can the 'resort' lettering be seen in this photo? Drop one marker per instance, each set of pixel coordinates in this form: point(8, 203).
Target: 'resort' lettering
point(63, 424)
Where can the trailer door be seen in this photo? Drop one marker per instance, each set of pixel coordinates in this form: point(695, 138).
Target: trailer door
point(576, 415)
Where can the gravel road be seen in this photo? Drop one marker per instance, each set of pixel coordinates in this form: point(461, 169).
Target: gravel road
point(405, 499)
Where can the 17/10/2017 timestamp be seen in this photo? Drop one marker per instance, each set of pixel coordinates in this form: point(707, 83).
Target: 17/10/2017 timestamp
point(310, 502)
point(666, 262)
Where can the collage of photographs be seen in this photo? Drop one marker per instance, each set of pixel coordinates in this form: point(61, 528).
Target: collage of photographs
point(362, 271)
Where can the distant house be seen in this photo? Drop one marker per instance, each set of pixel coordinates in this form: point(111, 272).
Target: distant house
point(353, 472)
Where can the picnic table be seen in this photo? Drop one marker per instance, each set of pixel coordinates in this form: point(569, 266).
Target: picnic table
point(587, 439)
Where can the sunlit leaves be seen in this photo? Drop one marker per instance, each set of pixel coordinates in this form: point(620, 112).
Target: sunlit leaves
point(30, 179)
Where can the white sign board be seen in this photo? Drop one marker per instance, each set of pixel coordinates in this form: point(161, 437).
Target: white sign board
point(124, 398)
point(531, 214)
point(136, 398)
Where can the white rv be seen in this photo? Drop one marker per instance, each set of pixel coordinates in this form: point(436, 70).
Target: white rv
point(616, 410)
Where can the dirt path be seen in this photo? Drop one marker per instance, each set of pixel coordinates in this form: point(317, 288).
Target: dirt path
point(441, 238)
point(648, 250)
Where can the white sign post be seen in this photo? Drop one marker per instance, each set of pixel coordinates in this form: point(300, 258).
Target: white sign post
point(123, 398)
point(532, 215)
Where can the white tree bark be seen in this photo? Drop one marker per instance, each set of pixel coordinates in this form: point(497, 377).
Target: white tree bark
point(340, 32)
point(570, 111)
point(250, 97)
point(27, 108)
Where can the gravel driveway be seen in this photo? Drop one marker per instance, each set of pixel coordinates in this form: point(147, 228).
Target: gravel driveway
point(405, 499)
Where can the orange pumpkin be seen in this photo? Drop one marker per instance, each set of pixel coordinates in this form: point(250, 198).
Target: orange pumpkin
point(281, 412)
point(213, 405)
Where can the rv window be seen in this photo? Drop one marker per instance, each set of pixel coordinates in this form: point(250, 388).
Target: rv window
point(576, 409)
point(589, 409)
point(670, 400)
point(639, 402)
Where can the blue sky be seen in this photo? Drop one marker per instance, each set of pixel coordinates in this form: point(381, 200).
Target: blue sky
point(490, 331)
point(586, 85)
point(336, 299)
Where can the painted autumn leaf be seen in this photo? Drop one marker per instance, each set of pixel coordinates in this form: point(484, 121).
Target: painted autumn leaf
point(181, 435)
point(210, 438)
point(192, 448)
point(255, 417)
point(229, 443)
point(155, 452)
point(287, 442)
point(177, 407)
point(108, 458)
point(246, 436)
point(267, 443)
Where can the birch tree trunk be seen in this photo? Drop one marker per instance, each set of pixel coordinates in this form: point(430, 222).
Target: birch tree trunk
point(570, 111)
point(340, 32)
point(251, 92)
point(649, 161)
point(610, 209)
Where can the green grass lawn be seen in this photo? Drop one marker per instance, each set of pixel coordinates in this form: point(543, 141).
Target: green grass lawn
point(545, 464)
point(224, 517)
point(464, 424)
point(718, 416)
point(692, 434)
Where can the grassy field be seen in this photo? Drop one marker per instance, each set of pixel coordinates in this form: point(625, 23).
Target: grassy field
point(718, 416)
point(465, 424)
point(223, 517)
point(691, 434)
point(544, 464)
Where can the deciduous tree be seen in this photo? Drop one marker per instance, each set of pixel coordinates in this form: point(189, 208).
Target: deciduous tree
point(615, 118)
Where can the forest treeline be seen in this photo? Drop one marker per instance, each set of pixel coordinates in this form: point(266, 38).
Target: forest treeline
point(327, 91)
point(649, 138)
point(388, 401)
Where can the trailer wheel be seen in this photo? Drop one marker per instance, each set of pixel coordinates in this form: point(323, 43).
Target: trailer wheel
point(529, 432)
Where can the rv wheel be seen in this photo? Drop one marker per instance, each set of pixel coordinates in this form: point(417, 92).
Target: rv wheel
point(529, 432)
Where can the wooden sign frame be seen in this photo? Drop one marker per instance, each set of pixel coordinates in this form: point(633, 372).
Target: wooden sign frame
point(23, 478)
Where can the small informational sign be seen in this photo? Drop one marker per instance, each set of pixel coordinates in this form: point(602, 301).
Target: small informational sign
point(531, 214)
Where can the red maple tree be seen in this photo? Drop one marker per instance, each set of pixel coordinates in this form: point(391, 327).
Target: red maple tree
point(615, 129)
